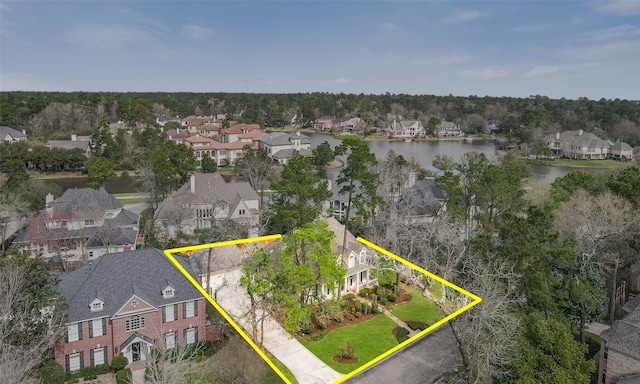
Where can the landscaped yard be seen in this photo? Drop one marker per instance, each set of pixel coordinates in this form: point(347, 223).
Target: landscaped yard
point(370, 338)
point(419, 309)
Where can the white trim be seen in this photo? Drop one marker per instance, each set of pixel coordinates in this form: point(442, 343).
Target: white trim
point(119, 312)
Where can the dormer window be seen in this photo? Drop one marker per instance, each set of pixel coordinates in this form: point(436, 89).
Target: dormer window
point(168, 292)
point(96, 305)
point(363, 257)
point(352, 261)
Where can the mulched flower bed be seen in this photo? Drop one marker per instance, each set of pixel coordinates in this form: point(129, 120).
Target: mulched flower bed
point(345, 361)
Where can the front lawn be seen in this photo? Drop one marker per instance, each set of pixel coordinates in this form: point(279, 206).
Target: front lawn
point(419, 309)
point(370, 338)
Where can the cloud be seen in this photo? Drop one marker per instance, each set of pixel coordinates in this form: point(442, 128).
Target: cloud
point(341, 80)
point(618, 7)
point(542, 70)
point(18, 81)
point(486, 73)
point(606, 53)
point(389, 27)
point(530, 28)
point(3, 7)
point(461, 16)
point(619, 32)
point(196, 32)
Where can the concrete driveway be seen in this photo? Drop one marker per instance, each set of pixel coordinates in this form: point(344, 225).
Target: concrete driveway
point(305, 366)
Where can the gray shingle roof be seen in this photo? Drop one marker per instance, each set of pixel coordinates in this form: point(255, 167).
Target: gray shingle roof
point(624, 334)
point(282, 138)
point(69, 144)
point(423, 197)
point(125, 218)
point(119, 276)
point(85, 202)
point(290, 153)
point(209, 188)
point(117, 236)
point(4, 130)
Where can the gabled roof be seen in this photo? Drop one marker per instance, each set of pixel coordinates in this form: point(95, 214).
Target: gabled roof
point(209, 188)
point(117, 237)
point(120, 276)
point(282, 138)
point(125, 218)
point(85, 202)
point(336, 243)
point(240, 128)
point(624, 334)
point(423, 198)
point(69, 144)
point(290, 153)
point(4, 130)
point(621, 146)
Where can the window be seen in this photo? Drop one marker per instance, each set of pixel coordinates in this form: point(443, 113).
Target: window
point(89, 223)
point(241, 212)
point(606, 353)
point(190, 335)
point(352, 261)
point(363, 257)
point(135, 322)
point(168, 293)
point(189, 309)
point(170, 340)
point(169, 313)
point(363, 277)
point(604, 376)
point(74, 361)
point(98, 327)
point(91, 256)
point(74, 332)
point(98, 356)
point(96, 305)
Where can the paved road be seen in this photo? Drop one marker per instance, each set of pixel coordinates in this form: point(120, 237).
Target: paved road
point(422, 362)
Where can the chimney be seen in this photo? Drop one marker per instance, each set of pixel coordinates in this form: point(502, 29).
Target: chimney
point(74, 137)
point(580, 132)
point(298, 133)
point(48, 198)
point(24, 131)
point(193, 183)
point(557, 135)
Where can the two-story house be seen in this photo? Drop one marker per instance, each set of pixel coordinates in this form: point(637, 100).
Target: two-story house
point(324, 123)
point(207, 198)
point(232, 134)
point(126, 304)
point(284, 146)
point(11, 135)
point(80, 226)
point(447, 128)
point(225, 154)
point(405, 129)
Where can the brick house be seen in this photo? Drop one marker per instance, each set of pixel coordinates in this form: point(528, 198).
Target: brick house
point(127, 303)
point(620, 348)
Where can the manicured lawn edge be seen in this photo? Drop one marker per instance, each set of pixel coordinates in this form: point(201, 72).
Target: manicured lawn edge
point(419, 309)
point(371, 338)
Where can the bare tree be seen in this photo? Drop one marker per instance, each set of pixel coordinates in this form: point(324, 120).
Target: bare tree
point(12, 210)
point(173, 364)
point(600, 226)
point(28, 326)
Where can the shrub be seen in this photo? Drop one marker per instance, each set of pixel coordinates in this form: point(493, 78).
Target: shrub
point(365, 309)
point(123, 376)
point(364, 292)
point(358, 306)
point(74, 381)
point(343, 303)
point(392, 297)
point(119, 362)
point(415, 325)
point(374, 308)
point(402, 335)
point(52, 373)
point(347, 350)
point(382, 295)
point(318, 336)
point(306, 326)
point(90, 377)
point(358, 314)
point(349, 296)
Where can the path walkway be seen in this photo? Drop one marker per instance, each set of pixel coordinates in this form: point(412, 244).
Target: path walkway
point(305, 366)
point(137, 371)
point(393, 317)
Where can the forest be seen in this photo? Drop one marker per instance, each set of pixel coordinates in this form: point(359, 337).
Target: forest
point(53, 115)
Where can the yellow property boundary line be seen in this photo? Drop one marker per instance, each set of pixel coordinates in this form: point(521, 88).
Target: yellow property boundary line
point(204, 293)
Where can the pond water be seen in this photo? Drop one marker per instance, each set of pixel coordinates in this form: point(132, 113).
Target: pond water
point(424, 152)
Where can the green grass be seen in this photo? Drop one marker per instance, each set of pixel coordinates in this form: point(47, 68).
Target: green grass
point(437, 290)
point(419, 309)
point(133, 200)
point(370, 338)
point(580, 163)
point(271, 377)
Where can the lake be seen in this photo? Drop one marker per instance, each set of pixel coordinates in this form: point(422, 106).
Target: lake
point(424, 152)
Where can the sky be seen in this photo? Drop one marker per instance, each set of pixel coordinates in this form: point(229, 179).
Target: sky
point(512, 48)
